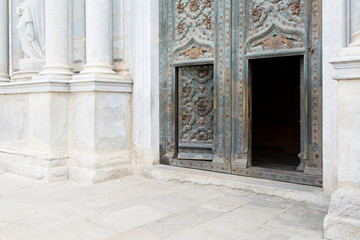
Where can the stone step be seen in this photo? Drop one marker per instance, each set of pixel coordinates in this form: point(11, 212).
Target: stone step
point(308, 195)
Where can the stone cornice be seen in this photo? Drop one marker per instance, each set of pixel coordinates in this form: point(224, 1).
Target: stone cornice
point(100, 83)
point(346, 67)
point(86, 83)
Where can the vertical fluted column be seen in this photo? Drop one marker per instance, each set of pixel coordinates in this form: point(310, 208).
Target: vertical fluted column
point(4, 41)
point(354, 18)
point(57, 39)
point(98, 37)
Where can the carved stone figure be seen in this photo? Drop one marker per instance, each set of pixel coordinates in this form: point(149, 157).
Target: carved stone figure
point(31, 28)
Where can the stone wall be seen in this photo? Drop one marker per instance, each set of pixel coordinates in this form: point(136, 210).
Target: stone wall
point(72, 117)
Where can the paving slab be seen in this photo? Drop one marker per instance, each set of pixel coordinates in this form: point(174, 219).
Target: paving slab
point(183, 220)
point(148, 209)
point(131, 218)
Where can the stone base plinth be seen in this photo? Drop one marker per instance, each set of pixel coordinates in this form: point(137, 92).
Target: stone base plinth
point(99, 175)
point(343, 219)
point(35, 165)
point(24, 75)
point(55, 129)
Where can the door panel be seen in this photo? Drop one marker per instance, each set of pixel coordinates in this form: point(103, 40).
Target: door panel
point(196, 120)
point(196, 112)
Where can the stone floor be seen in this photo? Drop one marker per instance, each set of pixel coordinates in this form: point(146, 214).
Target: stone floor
point(138, 208)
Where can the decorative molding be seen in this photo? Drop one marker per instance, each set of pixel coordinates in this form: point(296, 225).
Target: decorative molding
point(97, 84)
point(80, 83)
point(34, 86)
point(276, 30)
point(346, 68)
point(194, 49)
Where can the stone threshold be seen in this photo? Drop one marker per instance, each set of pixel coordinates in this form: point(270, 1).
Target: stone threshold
point(309, 195)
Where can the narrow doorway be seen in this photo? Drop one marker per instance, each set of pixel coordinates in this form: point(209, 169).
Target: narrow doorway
point(275, 112)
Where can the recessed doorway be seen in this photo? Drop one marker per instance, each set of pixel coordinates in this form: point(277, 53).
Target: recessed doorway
point(275, 112)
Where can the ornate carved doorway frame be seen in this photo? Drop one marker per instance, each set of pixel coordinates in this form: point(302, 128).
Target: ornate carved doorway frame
point(195, 33)
point(228, 34)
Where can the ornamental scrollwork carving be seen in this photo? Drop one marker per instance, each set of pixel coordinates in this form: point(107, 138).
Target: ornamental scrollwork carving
point(194, 5)
point(209, 3)
point(180, 27)
point(202, 136)
point(203, 106)
point(276, 24)
point(185, 119)
point(185, 90)
point(196, 104)
point(295, 7)
point(290, 13)
point(180, 8)
point(208, 23)
point(256, 14)
point(194, 53)
point(193, 19)
point(277, 42)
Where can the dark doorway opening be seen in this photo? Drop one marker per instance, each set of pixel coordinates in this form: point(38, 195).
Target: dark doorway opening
point(275, 114)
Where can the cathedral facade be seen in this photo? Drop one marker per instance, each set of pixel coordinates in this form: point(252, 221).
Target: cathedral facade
point(93, 90)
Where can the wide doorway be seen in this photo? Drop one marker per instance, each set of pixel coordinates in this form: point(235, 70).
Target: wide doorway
point(241, 88)
point(275, 112)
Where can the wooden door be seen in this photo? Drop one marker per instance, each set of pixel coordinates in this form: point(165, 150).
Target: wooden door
point(207, 124)
point(195, 91)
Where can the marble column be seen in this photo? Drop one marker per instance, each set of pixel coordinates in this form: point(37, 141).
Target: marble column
point(57, 39)
point(354, 18)
point(4, 41)
point(343, 219)
point(98, 37)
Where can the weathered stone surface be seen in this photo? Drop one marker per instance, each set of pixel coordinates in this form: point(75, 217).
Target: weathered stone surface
point(139, 208)
point(131, 218)
point(137, 234)
point(343, 219)
point(312, 196)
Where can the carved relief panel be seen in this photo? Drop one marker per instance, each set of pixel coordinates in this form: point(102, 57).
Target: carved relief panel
point(194, 32)
point(196, 112)
point(195, 83)
point(276, 24)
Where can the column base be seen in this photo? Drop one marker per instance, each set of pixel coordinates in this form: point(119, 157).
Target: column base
point(98, 68)
point(4, 78)
point(56, 70)
point(343, 219)
point(24, 75)
point(350, 51)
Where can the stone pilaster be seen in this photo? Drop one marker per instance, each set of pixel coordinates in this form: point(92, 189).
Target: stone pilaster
point(57, 40)
point(343, 219)
point(144, 63)
point(4, 41)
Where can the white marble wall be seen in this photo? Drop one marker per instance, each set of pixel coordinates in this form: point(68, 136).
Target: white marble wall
point(62, 124)
point(99, 138)
point(334, 20)
point(144, 65)
point(34, 141)
point(343, 219)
